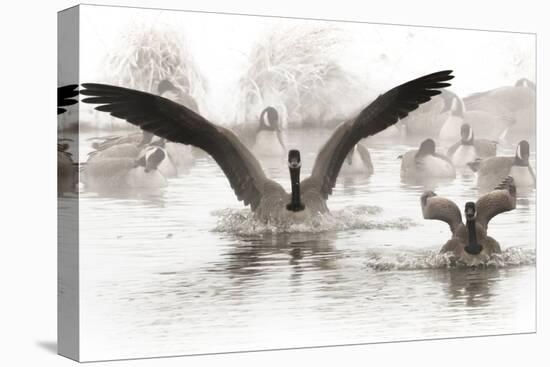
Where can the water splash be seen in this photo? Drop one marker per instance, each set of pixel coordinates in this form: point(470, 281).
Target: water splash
point(513, 256)
point(242, 221)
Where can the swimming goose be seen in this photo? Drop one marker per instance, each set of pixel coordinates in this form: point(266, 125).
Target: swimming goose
point(470, 243)
point(269, 139)
point(179, 156)
point(67, 171)
point(358, 162)
point(492, 170)
point(486, 124)
point(139, 140)
point(425, 163)
point(504, 99)
point(124, 166)
point(469, 149)
point(515, 102)
point(268, 199)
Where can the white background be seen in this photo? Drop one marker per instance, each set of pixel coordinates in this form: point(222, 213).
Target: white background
point(28, 184)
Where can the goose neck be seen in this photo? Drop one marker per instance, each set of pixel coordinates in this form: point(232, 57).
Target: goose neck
point(473, 246)
point(295, 203)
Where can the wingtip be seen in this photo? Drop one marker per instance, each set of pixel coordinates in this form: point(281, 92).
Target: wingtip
point(68, 87)
point(426, 195)
point(89, 85)
point(446, 72)
point(442, 75)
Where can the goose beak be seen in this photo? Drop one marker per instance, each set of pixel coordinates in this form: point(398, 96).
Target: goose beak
point(153, 158)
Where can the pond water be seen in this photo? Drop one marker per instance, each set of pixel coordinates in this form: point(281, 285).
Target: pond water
point(185, 270)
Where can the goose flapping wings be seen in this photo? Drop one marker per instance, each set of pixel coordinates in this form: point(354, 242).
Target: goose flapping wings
point(178, 123)
point(500, 200)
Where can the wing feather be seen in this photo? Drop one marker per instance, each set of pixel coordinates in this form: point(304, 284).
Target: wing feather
point(500, 200)
point(438, 208)
point(385, 111)
point(64, 97)
point(177, 123)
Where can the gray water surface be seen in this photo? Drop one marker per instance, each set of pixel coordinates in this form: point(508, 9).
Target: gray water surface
point(186, 270)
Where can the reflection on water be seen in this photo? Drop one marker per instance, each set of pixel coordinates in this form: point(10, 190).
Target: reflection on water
point(186, 269)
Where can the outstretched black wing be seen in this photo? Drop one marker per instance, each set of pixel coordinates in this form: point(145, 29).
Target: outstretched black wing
point(64, 97)
point(177, 123)
point(380, 114)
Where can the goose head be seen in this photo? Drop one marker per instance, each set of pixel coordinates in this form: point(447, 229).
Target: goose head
point(453, 103)
point(165, 86)
point(294, 165)
point(269, 119)
point(466, 134)
point(168, 90)
point(427, 147)
point(294, 161)
point(151, 158)
point(522, 154)
point(470, 210)
point(472, 247)
point(270, 122)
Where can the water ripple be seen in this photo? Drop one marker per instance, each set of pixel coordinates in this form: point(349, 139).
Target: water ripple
point(242, 221)
point(513, 256)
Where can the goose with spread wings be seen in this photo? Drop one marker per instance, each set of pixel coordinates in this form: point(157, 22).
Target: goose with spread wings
point(267, 199)
point(470, 242)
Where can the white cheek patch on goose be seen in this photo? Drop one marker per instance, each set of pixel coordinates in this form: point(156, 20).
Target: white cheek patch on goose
point(518, 153)
point(266, 120)
point(470, 134)
point(148, 153)
point(154, 151)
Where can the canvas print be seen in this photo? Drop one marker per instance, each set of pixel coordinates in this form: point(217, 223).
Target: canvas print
point(239, 183)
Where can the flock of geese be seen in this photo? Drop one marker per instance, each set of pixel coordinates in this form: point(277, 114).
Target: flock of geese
point(163, 150)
